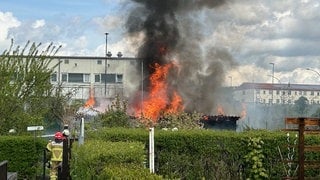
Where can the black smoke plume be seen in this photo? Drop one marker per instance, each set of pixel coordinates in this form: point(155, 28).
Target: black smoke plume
point(171, 34)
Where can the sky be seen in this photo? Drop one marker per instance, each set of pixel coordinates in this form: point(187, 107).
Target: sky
point(259, 35)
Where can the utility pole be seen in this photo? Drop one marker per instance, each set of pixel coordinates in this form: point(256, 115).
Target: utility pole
point(272, 87)
point(272, 82)
point(106, 66)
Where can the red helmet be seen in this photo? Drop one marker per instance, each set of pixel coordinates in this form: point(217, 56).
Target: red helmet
point(58, 135)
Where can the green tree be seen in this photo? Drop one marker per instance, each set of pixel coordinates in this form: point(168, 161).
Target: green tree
point(316, 114)
point(25, 91)
point(301, 105)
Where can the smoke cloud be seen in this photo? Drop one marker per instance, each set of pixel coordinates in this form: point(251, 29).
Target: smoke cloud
point(173, 33)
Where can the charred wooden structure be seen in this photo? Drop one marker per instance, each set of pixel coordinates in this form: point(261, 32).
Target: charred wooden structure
point(220, 122)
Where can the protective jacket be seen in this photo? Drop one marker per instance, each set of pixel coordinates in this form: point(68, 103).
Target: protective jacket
point(56, 149)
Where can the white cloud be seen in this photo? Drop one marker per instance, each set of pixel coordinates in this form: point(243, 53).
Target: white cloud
point(109, 23)
point(128, 46)
point(38, 24)
point(7, 21)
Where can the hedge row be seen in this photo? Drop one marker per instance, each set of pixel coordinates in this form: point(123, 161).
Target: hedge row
point(98, 159)
point(24, 154)
point(209, 154)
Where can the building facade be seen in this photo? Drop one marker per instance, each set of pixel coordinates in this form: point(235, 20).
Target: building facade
point(101, 77)
point(268, 93)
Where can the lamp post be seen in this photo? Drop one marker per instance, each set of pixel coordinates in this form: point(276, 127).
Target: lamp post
point(275, 78)
point(272, 71)
point(272, 81)
point(105, 66)
point(313, 71)
point(271, 95)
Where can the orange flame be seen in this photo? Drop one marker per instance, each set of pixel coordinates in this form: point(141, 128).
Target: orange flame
point(220, 110)
point(90, 102)
point(159, 99)
point(244, 111)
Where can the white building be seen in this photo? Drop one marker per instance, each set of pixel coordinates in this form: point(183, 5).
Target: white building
point(268, 93)
point(102, 77)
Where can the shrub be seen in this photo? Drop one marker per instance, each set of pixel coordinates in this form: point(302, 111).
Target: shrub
point(23, 153)
point(93, 159)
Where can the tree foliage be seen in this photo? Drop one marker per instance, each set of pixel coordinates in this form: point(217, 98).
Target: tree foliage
point(25, 91)
point(301, 105)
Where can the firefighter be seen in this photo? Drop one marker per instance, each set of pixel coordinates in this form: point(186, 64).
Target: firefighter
point(56, 149)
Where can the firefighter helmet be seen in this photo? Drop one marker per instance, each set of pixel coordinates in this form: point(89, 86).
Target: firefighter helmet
point(58, 135)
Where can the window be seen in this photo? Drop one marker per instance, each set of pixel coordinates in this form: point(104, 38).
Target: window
point(86, 77)
point(289, 92)
point(64, 77)
point(243, 92)
point(312, 93)
point(109, 78)
point(264, 92)
point(119, 78)
point(278, 92)
point(304, 92)
point(270, 101)
point(78, 77)
point(75, 77)
point(283, 93)
point(54, 77)
point(66, 61)
point(278, 101)
point(97, 78)
point(270, 91)
point(258, 91)
point(99, 62)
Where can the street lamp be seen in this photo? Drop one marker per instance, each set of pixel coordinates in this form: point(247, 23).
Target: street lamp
point(105, 66)
point(313, 71)
point(272, 71)
point(275, 78)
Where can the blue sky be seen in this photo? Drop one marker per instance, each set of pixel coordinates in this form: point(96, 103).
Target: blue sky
point(255, 32)
point(67, 22)
point(33, 9)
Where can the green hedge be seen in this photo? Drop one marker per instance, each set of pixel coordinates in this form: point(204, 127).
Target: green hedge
point(97, 159)
point(210, 154)
point(24, 154)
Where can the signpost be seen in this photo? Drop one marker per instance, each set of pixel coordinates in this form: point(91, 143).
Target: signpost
point(34, 129)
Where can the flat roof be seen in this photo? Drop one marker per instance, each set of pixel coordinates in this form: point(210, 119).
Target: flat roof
point(274, 86)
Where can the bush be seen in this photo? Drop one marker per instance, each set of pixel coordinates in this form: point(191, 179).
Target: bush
point(24, 154)
point(94, 159)
point(125, 171)
point(208, 154)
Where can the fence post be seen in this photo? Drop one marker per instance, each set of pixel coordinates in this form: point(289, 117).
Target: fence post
point(3, 170)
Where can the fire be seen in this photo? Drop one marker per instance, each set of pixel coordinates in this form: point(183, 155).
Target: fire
point(220, 110)
point(90, 102)
point(244, 111)
point(159, 99)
